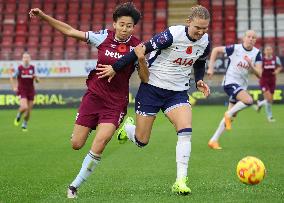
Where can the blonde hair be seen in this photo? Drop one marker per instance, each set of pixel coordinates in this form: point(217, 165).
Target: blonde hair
point(252, 31)
point(198, 12)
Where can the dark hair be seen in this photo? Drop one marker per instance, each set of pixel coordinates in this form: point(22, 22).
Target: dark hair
point(126, 9)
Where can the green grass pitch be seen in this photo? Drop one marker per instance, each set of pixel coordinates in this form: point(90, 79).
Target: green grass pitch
point(38, 165)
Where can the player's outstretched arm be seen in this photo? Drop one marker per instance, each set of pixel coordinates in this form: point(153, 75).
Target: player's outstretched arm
point(143, 70)
point(58, 25)
point(215, 52)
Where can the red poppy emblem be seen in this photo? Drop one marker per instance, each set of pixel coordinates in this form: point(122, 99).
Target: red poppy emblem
point(121, 48)
point(189, 50)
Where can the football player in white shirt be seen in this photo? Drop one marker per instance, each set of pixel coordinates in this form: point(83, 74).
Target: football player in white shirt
point(242, 59)
point(175, 52)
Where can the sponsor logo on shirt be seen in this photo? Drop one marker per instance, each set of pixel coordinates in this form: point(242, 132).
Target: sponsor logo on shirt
point(113, 54)
point(244, 65)
point(183, 62)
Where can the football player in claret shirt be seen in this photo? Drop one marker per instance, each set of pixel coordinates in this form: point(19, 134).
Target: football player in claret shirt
point(243, 59)
point(104, 104)
point(174, 54)
point(25, 89)
point(271, 66)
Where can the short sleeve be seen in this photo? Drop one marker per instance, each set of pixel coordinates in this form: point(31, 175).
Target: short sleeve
point(96, 38)
point(258, 58)
point(206, 52)
point(278, 61)
point(229, 49)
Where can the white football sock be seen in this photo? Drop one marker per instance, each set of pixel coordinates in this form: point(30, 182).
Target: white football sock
point(268, 109)
point(219, 131)
point(88, 166)
point(183, 149)
point(237, 107)
point(130, 131)
point(18, 116)
point(24, 124)
point(261, 103)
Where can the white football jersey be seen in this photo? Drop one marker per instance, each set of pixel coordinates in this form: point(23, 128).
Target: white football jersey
point(238, 68)
point(174, 54)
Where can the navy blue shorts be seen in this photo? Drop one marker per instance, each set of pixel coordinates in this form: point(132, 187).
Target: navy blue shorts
point(150, 99)
point(232, 91)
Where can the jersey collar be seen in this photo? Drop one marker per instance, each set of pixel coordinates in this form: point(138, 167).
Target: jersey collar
point(186, 32)
point(124, 41)
point(246, 48)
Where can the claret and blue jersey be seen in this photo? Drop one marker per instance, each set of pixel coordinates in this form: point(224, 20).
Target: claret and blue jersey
point(109, 51)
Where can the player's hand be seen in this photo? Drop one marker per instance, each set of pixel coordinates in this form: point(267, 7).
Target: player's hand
point(210, 72)
point(203, 87)
point(15, 89)
point(35, 12)
point(105, 71)
point(140, 51)
point(36, 79)
point(248, 60)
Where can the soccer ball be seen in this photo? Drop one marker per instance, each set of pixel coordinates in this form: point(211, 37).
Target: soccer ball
point(251, 170)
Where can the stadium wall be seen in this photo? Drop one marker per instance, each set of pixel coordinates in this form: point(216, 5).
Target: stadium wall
point(71, 98)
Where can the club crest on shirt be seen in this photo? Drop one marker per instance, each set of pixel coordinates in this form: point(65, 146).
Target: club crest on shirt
point(162, 38)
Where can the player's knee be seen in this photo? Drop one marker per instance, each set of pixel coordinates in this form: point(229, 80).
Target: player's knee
point(24, 108)
point(248, 101)
point(269, 100)
point(76, 144)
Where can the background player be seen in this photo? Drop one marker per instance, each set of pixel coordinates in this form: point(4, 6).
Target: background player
point(105, 103)
point(271, 66)
point(174, 53)
point(25, 89)
point(243, 58)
